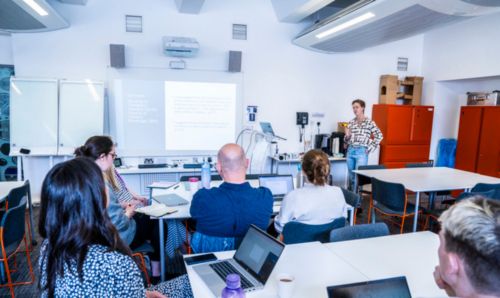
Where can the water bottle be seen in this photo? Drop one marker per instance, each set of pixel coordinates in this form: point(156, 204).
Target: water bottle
point(205, 175)
point(300, 176)
point(233, 287)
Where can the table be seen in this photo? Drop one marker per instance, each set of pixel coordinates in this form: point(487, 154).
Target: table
point(306, 261)
point(431, 179)
point(5, 188)
point(316, 266)
point(413, 255)
point(184, 213)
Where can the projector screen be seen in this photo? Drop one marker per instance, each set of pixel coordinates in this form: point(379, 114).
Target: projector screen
point(199, 116)
point(163, 112)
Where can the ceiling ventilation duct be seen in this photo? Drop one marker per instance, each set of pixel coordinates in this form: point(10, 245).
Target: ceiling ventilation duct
point(29, 16)
point(368, 23)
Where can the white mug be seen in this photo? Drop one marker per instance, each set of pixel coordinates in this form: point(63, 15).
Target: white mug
point(286, 283)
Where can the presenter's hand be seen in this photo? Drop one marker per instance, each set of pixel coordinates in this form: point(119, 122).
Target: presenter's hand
point(441, 283)
point(347, 132)
point(155, 294)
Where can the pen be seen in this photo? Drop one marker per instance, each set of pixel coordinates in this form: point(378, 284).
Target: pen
point(176, 187)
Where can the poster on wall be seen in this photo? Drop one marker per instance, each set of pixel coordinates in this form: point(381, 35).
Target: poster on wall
point(8, 168)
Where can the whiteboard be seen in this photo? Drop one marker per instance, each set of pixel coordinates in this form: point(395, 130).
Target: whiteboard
point(81, 113)
point(33, 115)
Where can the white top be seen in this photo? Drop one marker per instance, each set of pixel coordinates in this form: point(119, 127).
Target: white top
point(429, 179)
point(313, 205)
point(413, 255)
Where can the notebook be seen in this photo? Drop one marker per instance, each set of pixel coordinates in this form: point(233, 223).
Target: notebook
point(156, 210)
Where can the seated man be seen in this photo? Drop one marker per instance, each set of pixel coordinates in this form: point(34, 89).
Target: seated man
point(469, 252)
point(223, 214)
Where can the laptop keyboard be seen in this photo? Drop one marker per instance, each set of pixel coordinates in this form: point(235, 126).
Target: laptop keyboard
point(223, 269)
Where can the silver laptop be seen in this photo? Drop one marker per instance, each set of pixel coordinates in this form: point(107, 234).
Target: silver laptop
point(253, 261)
point(278, 185)
point(171, 200)
point(268, 130)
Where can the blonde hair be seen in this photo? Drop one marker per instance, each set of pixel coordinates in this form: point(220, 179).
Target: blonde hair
point(472, 231)
point(110, 177)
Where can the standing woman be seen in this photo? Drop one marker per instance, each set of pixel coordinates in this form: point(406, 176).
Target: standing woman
point(362, 137)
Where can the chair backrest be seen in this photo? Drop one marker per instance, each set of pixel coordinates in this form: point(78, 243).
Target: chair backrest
point(363, 180)
point(486, 194)
point(12, 226)
point(392, 195)
point(16, 194)
point(428, 164)
point(351, 198)
point(482, 187)
point(297, 232)
point(359, 232)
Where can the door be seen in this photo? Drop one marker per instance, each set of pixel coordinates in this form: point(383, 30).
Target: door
point(421, 129)
point(398, 125)
point(468, 138)
point(488, 161)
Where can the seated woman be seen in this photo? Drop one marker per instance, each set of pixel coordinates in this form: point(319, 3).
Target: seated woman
point(123, 194)
point(317, 202)
point(134, 229)
point(82, 254)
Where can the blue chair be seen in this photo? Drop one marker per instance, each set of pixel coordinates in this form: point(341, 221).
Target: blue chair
point(363, 185)
point(431, 195)
point(352, 199)
point(12, 234)
point(427, 164)
point(482, 187)
point(359, 232)
point(139, 253)
point(297, 232)
point(390, 199)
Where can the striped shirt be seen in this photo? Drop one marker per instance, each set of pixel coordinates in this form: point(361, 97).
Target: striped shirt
point(362, 132)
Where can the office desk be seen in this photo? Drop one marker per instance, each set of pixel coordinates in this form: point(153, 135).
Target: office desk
point(413, 255)
point(428, 180)
point(5, 188)
point(313, 265)
point(184, 213)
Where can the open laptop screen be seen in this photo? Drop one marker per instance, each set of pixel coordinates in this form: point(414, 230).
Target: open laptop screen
point(278, 185)
point(267, 128)
point(395, 287)
point(259, 253)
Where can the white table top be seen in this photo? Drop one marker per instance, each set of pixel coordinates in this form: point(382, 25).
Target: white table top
point(312, 264)
point(429, 179)
point(413, 255)
point(7, 186)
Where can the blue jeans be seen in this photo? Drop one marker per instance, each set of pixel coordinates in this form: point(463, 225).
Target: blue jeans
point(356, 156)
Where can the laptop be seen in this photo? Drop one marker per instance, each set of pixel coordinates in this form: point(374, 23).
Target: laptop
point(268, 130)
point(278, 185)
point(254, 261)
point(171, 200)
point(395, 287)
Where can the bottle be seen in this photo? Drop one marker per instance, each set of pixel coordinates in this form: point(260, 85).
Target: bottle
point(205, 175)
point(233, 287)
point(299, 177)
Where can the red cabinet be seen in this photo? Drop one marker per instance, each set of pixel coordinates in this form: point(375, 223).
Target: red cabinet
point(407, 133)
point(478, 147)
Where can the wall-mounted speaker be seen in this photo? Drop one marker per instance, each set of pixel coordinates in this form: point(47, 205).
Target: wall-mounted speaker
point(234, 64)
point(117, 55)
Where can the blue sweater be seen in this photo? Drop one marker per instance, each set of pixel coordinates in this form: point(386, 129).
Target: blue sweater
point(230, 209)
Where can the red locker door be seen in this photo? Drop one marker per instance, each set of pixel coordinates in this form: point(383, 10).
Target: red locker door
point(468, 138)
point(398, 125)
point(421, 129)
point(488, 162)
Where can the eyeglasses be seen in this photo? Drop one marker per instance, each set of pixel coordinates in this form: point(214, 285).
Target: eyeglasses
point(113, 155)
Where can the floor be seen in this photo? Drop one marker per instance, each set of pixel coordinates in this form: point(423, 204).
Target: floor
point(32, 290)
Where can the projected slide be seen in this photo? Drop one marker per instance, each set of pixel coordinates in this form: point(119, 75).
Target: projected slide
point(199, 116)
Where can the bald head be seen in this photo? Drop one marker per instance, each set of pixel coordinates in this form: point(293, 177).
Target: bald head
point(232, 159)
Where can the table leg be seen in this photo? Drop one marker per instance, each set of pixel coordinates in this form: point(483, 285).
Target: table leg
point(415, 218)
point(162, 249)
point(30, 211)
point(351, 216)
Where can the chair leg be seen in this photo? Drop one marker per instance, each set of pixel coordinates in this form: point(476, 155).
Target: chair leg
point(187, 239)
point(142, 267)
point(28, 257)
point(9, 278)
point(29, 233)
point(370, 207)
point(402, 225)
point(354, 216)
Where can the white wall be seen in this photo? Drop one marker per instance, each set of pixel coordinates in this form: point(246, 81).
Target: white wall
point(456, 59)
point(5, 49)
point(278, 77)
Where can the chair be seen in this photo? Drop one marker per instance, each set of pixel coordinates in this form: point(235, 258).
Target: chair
point(482, 187)
point(431, 195)
point(12, 234)
point(297, 232)
point(359, 232)
point(352, 199)
point(435, 214)
point(390, 199)
point(363, 185)
point(426, 164)
point(139, 253)
point(13, 199)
